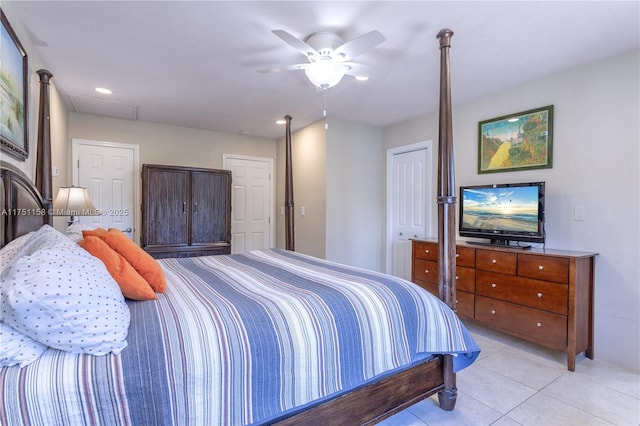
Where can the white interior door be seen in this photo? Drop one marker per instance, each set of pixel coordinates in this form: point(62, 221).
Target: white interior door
point(408, 207)
point(108, 171)
point(251, 202)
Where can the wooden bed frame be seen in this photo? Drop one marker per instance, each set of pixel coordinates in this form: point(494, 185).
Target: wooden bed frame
point(27, 207)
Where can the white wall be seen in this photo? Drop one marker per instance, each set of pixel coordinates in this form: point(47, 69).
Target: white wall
point(354, 228)
point(308, 157)
point(167, 144)
point(595, 165)
point(337, 175)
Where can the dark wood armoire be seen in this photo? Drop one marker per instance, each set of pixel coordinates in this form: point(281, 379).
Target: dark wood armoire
point(186, 211)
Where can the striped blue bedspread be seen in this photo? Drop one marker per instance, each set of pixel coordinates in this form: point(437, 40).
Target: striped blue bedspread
point(241, 339)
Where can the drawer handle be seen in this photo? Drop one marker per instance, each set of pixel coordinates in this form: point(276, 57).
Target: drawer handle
point(540, 295)
point(541, 267)
point(457, 255)
point(494, 285)
point(494, 261)
point(493, 312)
point(539, 324)
point(427, 251)
point(457, 277)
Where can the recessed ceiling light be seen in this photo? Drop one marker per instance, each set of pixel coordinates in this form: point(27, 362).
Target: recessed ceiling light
point(281, 121)
point(103, 90)
point(362, 78)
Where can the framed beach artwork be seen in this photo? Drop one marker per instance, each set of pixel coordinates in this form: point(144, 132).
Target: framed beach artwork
point(13, 94)
point(520, 141)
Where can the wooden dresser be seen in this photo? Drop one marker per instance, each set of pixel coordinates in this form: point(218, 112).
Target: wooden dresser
point(186, 211)
point(541, 295)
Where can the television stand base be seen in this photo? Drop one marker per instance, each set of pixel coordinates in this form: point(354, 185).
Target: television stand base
point(500, 244)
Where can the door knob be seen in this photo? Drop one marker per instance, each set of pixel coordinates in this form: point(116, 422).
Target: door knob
point(128, 230)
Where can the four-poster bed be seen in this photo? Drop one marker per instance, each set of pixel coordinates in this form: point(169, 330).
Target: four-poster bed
point(159, 390)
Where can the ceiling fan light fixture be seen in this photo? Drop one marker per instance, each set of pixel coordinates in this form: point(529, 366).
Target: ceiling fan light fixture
point(325, 73)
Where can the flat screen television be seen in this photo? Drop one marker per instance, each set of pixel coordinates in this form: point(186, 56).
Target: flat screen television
point(503, 213)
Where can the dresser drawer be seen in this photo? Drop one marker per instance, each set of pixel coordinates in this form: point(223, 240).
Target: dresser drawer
point(496, 261)
point(546, 268)
point(425, 270)
point(430, 287)
point(465, 256)
point(465, 304)
point(425, 250)
point(525, 291)
point(465, 279)
point(545, 328)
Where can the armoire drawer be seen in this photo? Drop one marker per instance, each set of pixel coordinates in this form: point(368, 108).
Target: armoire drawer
point(524, 291)
point(554, 269)
point(539, 326)
point(496, 261)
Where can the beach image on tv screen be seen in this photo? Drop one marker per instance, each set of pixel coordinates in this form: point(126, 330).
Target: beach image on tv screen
point(501, 209)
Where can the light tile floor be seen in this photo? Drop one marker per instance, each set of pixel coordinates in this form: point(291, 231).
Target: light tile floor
point(514, 382)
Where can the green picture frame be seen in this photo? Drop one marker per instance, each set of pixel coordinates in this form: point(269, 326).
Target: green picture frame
point(14, 86)
point(519, 141)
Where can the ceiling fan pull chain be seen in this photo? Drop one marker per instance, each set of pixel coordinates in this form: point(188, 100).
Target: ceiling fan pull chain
point(324, 108)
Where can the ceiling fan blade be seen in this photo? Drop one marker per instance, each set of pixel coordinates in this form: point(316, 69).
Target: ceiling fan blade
point(360, 70)
point(358, 45)
point(284, 68)
point(296, 43)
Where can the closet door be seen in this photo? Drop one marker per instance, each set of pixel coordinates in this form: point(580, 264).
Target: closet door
point(210, 208)
point(167, 207)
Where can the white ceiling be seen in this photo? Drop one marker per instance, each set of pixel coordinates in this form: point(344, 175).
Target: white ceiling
point(195, 64)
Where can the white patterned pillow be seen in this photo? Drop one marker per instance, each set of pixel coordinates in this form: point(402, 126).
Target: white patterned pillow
point(58, 294)
point(16, 348)
point(8, 252)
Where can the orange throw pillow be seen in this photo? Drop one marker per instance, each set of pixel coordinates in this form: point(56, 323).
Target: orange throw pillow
point(93, 232)
point(132, 285)
point(142, 261)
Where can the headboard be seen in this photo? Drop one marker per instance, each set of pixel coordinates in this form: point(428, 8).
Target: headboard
point(22, 207)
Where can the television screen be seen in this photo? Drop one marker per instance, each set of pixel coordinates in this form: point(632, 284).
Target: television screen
point(503, 211)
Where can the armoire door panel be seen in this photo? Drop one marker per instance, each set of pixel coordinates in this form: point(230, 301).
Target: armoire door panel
point(210, 202)
point(167, 207)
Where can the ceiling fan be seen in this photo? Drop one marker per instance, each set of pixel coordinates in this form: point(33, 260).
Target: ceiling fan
point(329, 58)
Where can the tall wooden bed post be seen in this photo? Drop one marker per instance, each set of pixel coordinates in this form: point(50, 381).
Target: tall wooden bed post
point(288, 192)
point(43, 155)
point(446, 211)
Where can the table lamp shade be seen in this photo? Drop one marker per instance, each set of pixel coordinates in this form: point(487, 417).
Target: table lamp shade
point(73, 201)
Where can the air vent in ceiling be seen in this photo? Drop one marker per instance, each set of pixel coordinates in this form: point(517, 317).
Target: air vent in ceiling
point(97, 106)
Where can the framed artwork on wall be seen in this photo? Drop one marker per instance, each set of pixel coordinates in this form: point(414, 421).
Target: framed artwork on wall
point(14, 93)
point(519, 141)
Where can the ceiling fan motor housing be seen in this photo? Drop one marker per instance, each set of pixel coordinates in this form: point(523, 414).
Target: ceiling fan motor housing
point(324, 42)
